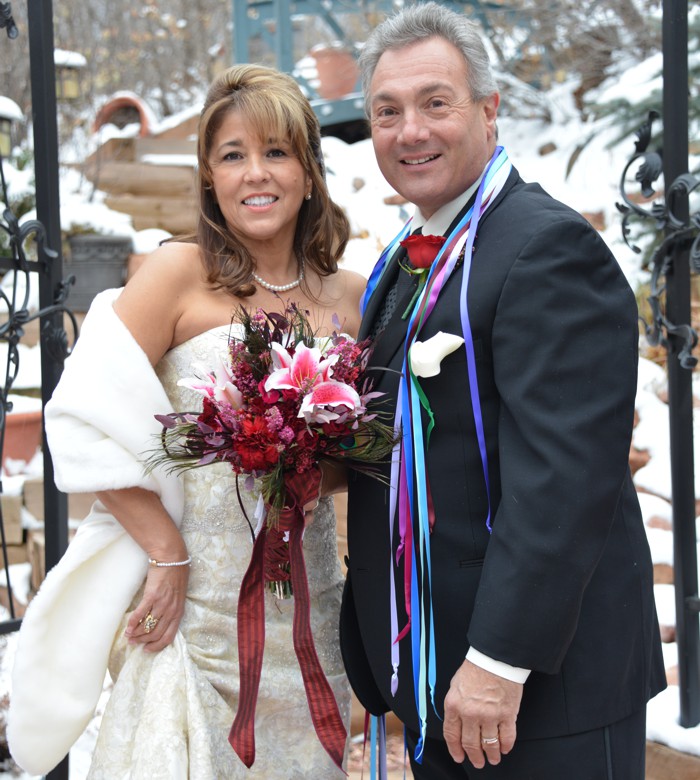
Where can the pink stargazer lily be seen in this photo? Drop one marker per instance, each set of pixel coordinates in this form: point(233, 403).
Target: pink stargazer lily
point(301, 371)
point(312, 375)
point(216, 385)
point(328, 401)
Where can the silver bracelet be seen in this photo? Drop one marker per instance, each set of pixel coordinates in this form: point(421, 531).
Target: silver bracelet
point(163, 564)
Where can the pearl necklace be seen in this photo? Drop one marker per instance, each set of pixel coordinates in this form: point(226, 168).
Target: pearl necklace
point(282, 287)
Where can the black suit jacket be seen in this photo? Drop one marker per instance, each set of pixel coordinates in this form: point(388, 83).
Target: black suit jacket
point(563, 585)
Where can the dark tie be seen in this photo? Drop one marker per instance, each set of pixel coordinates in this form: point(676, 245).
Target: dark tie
point(397, 293)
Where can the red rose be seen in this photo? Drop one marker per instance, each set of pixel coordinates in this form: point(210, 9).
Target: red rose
point(210, 415)
point(269, 397)
point(422, 250)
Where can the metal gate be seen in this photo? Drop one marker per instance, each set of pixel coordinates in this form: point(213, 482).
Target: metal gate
point(45, 269)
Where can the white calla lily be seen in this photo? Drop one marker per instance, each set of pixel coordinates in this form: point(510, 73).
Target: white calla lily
point(426, 356)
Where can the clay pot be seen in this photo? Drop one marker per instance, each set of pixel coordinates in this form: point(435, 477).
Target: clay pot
point(22, 435)
point(337, 72)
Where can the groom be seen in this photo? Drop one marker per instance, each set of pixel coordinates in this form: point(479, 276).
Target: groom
point(499, 595)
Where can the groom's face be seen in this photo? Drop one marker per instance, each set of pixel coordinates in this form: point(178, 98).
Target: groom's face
point(431, 139)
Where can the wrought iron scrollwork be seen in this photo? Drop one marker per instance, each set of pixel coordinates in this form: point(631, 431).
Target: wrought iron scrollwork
point(680, 233)
point(16, 301)
point(15, 314)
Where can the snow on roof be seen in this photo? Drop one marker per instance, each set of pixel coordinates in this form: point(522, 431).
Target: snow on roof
point(68, 59)
point(9, 109)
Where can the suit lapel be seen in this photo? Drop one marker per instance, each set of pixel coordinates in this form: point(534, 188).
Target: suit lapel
point(513, 177)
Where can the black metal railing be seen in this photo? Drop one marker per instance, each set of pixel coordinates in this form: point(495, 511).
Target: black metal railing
point(15, 297)
point(48, 271)
point(674, 259)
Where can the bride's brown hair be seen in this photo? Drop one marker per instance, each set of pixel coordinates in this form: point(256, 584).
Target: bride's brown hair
point(274, 106)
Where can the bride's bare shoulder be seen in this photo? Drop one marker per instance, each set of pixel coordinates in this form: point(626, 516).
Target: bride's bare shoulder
point(348, 284)
point(343, 292)
point(172, 262)
point(158, 294)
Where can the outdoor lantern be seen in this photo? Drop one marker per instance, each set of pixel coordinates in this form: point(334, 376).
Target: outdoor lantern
point(5, 136)
point(9, 113)
point(68, 66)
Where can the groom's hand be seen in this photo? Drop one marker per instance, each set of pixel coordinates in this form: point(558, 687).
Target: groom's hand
point(480, 705)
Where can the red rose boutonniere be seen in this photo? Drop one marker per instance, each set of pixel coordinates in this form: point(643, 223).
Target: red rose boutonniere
point(421, 251)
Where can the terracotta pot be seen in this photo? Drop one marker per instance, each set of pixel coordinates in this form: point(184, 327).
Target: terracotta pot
point(337, 72)
point(22, 435)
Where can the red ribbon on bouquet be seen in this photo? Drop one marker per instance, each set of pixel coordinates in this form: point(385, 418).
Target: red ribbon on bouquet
point(301, 489)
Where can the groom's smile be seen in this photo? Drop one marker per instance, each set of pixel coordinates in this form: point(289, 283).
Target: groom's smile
point(420, 161)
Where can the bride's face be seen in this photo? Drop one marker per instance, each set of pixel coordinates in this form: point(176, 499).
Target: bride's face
point(259, 184)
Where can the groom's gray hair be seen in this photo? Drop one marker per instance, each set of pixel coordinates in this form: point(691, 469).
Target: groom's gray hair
point(429, 20)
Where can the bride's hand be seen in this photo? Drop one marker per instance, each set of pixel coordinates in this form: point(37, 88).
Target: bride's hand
point(334, 477)
point(309, 510)
point(156, 619)
point(146, 520)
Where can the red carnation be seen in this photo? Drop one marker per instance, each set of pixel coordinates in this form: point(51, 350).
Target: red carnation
point(253, 446)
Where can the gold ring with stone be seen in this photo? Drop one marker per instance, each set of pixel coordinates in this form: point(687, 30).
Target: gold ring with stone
point(149, 623)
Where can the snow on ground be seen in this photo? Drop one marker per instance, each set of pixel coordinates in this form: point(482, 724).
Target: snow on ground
point(357, 185)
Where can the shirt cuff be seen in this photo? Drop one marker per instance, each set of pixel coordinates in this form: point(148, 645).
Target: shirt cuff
point(513, 673)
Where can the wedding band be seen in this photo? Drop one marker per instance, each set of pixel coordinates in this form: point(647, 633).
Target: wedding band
point(490, 740)
point(149, 623)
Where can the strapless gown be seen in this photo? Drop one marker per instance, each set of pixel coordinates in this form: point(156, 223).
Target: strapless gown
point(169, 713)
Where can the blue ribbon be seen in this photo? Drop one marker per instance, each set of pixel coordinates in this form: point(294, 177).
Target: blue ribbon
point(381, 264)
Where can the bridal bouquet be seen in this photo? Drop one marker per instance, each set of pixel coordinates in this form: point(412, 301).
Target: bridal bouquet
point(283, 401)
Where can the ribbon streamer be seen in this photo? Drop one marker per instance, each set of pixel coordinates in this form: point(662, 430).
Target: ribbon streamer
point(301, 489)
point(409, 481)
point(251, 644)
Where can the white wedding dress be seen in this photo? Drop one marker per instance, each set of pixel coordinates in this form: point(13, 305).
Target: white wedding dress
point(170, 713)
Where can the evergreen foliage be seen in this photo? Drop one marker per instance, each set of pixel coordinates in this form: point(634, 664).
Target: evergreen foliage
point(627, 113)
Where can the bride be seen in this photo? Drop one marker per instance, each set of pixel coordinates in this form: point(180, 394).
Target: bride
point(149, 585)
